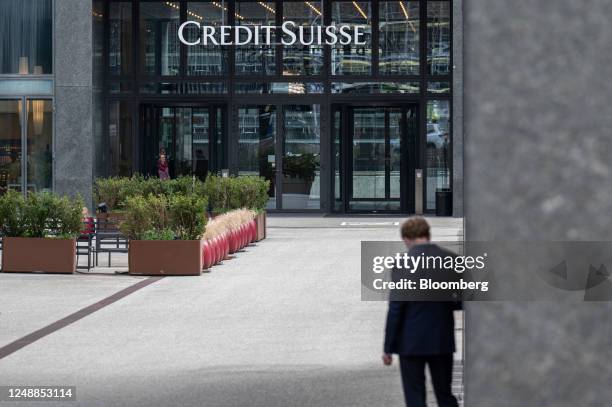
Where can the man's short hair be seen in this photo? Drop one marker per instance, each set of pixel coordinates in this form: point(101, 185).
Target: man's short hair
point(415, 228)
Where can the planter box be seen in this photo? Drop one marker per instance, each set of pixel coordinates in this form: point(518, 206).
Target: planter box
point(261, 225)
point(294, 185)
point(33, 254)
point(165, 257)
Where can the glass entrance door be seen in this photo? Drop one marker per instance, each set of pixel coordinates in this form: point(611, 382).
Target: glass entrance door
point(190, 137)
point(26, 144)
point(375, 158)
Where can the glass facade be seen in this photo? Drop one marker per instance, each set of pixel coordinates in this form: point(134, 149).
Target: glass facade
point(305, 58)
point(10, 144)
point(203, 60)
point(301, 157)
point(26, 92)
point(256, 59)
point(39, 143)
point(120, 38)
point(352, 59)
point(340, 127)
point(399, 37)
point(26, 36)
point(159, 44)
point(257, 144)
point(438, 150)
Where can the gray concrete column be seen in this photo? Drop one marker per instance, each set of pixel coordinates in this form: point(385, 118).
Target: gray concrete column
point(73, 137)
point(537, 167)
point(457, 118)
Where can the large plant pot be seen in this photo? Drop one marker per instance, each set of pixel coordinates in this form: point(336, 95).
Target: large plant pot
point(261, 225)
point(296, 185)
point(165, 257)
point(33, 254)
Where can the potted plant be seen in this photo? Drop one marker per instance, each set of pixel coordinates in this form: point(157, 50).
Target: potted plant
point(39, 232)
point(165, 234)
point(242, 192)
point(299, 173)
point(113, 192)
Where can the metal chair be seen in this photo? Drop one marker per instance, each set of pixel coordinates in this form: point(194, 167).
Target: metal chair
point(84, 247)
point(108, 239)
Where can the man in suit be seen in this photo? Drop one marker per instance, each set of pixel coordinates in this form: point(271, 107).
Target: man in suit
point(422, 332)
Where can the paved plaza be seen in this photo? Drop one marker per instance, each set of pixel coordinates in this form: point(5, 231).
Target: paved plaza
point(280, 324)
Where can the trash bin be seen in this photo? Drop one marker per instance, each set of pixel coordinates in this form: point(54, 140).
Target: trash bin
point(444, 202)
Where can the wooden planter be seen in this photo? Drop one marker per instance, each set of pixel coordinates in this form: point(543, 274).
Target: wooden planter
point(33, 254)
point(261, 225)
point(165, 257)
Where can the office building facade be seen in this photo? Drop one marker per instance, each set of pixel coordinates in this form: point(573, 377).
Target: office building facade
point(101, 88)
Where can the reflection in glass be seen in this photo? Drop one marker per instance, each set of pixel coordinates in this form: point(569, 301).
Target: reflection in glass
point(438, 149)
point(191, 145)
point(26, 33)
point(352, 59)
point(395, 153)
point(376, 159)
point(97, 28)
point(39, 145)
point(438, 37)
point(120, 123)
point(120, 38)
point(10, 145)
point(286, 88)
point(438, 87)
point(368, 158)
point(159, 43)
point(119, 87)
point(301, 157)
point(256, 145)
point(219, 161)
point(255, 59)
point(365, 88)
point(186, 134)
point(337, 158)
point(399, 37)
point(183, 88)
point(304, 57)
point(207, 59)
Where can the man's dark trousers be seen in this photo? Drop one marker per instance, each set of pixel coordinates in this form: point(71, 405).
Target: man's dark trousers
point(413, 379)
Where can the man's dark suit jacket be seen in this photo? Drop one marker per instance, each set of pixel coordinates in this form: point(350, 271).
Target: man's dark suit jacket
point(421, 327)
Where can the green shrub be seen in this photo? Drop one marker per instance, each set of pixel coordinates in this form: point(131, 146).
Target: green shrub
point(138, 219)
point(40, 214)
point(222, 194)
point(68, 218)
point(12, 205)
point(156, 217)
point(186, 185)
point(254, 192)
point(229, 193)
point(188, 216)
point(113, 191)
point(301, 166)
point(163, 234)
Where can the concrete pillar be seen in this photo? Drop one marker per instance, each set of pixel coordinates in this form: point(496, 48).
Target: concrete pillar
point(457, 118)
point(73, 137)
point(537, 166)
